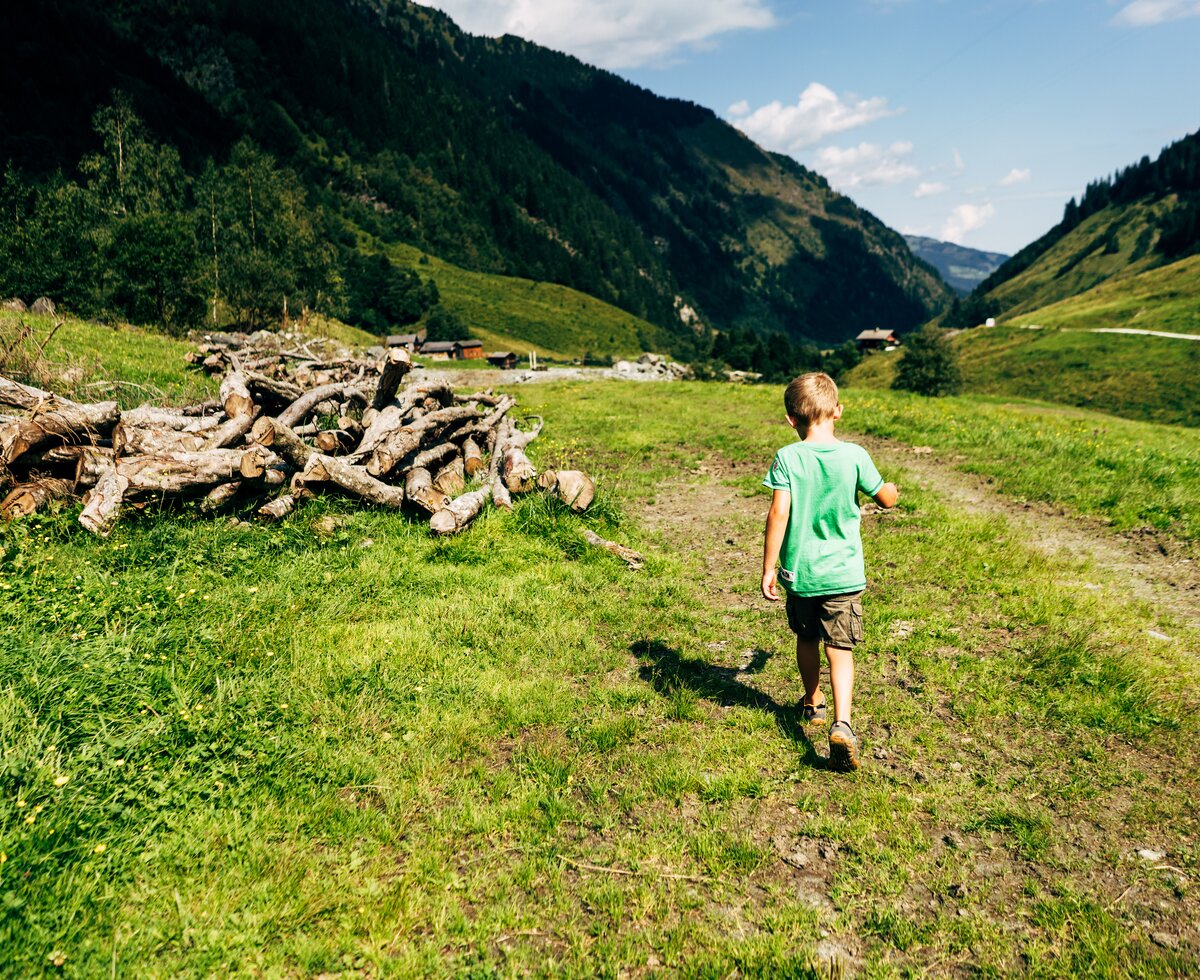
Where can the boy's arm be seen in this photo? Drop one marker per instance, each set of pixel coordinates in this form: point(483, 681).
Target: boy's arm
point(777, 520)
point(887, 495)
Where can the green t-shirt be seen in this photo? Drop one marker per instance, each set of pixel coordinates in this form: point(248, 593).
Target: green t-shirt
point(822, 549)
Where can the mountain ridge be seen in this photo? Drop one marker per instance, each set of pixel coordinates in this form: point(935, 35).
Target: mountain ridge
point(494, 154)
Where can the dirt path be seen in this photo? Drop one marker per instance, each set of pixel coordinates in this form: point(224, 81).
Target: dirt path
point(703, 516)
point(1154, 569)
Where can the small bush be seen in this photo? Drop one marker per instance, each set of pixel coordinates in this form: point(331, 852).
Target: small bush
point(929, 365)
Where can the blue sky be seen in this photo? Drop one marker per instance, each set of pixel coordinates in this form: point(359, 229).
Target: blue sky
point(968, 121)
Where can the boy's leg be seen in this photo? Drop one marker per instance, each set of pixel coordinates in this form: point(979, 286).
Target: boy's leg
point(808, 661)
point(841, 678)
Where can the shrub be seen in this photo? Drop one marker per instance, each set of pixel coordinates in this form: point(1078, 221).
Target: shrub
point(929, 365)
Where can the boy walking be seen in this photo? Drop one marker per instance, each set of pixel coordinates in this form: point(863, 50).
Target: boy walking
point(813, 534)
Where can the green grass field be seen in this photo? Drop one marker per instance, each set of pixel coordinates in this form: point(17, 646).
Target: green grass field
point(1148, 378)
point(1167, 298)
point(507, 313)
point(339, 747)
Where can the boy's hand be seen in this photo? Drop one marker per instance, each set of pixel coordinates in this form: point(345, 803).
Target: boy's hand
point(769, 588)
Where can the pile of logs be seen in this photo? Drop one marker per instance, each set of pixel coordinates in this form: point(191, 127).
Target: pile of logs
point(277, 433)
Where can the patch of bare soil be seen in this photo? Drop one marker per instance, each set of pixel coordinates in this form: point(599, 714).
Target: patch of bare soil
point(1154, 568)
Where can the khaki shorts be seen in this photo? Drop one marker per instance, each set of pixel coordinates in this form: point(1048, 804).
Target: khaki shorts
point(836, 619)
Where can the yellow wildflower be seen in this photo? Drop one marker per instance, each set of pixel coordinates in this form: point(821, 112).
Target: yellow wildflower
point(99, 848)
point(62, 780)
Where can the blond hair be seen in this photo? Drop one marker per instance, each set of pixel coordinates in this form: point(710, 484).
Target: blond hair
point(811, 398)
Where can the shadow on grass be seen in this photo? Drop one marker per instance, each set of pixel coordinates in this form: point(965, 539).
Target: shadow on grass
point(668, 671)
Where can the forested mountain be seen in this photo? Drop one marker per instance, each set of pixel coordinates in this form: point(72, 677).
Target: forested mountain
point(366, 122)
point(1140, 218)
point(962, 267)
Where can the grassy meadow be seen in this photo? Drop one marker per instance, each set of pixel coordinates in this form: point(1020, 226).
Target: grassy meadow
point(337, 746)
point(1154, 379)
point(508, 313)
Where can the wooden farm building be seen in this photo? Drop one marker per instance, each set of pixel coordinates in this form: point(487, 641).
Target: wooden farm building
point(409, 341)
point(453, 350)
point(503, 359)
point(876, 339)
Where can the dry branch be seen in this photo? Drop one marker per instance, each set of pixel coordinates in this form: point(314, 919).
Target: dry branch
point(67, 422)
point(631, 558)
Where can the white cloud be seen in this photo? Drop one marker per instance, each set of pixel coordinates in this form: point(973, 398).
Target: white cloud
point(966, 218)
point(612, 33)
point(930, 189)
point(1016, 176)
point(866, 164)
point(1144, 13)
point(820, 112)
point(739, 108)
point(959, 166)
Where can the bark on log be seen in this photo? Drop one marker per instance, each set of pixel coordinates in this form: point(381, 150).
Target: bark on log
point(102, 504)
point(355, 479)
point(419, 489)
point(274, 434)
point(379, 426)
point(631, 558)
point(519, 440)
point(28, 498)
point(177, 472)
point(435, 456)
point(415, 395)
point(519, 472)
point(273, 392)
point(393, 366)
point(572, 487)
point(278, 509)
point(130, 440)
point(334, 442)
point(297, 410)
point(472, 456)
point(404, 441)
point(152, 417)
point(461, 511)
point(220, 495)
point(235, 395)
point(451, 479)
point(27, 397)
point(232, 430)
point(66, 422)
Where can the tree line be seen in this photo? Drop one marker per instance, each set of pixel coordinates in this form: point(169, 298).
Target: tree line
point(132, 235)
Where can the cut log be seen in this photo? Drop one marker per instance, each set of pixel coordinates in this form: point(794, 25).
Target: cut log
point(631, 558)
point(519, 472)
point(334, 442)
point(232, 430)
point(380, 425)
point(419, 490)
point(278, 509)
point(272, 393)
point(406, 440)
point(520, 440)
point(102, 504)
point(177, 472)
point(65, 423)
point(394, 365)
point(274, 434)
point(355, 479)
point(435, 456)
point(451, 479)
point(472, 456)
point(461, 511)
point(130, 440)
point(28, 498)
point(220, 495)
point(27, 397)
point(235, 395)
point(152, 417)
point(500, 495)
point(572, 487)
point(297, 410)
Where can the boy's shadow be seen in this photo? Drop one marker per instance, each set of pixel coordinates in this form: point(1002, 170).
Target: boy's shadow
point(666, 670)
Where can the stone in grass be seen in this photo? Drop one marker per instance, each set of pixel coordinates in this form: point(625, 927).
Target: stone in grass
point(1146, 854)
point(1156, 635)
point(1165, 939)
